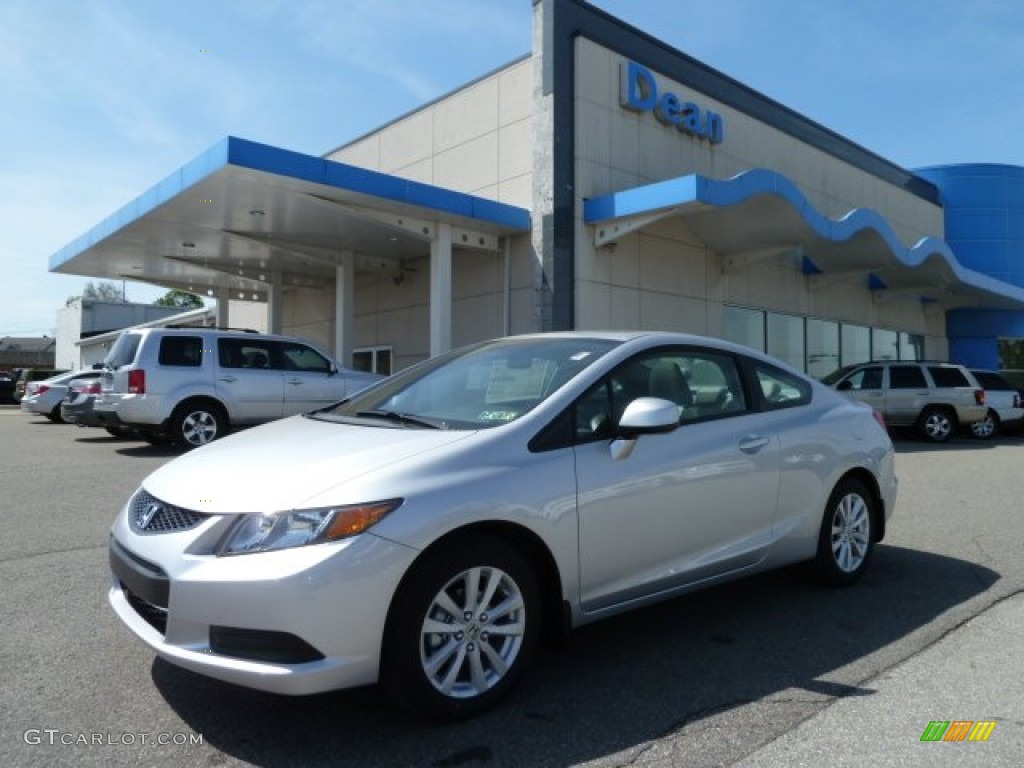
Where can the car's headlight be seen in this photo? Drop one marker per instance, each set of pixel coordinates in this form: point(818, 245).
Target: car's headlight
point(281, 530)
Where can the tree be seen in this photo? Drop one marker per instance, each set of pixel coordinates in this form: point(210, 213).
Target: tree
point(101, 291)
point(180, 299)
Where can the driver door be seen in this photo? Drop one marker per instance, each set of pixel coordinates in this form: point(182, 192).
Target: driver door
point(681, 506)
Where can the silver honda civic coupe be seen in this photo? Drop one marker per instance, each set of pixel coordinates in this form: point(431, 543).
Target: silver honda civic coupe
point(427, 531)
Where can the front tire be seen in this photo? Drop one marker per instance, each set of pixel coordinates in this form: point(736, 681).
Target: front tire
point(463, 626)
point(197, 423)
point(937, 425)
point(846, 538)
point(987, 427)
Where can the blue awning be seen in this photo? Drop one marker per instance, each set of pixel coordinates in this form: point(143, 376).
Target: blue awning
point(242, 211)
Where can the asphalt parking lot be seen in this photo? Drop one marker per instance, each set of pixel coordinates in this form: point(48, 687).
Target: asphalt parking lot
point(731, 675)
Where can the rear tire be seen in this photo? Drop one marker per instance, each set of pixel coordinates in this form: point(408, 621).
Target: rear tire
point(937, 425)
point(846, 538)
point(463, 626)
point(987, 427)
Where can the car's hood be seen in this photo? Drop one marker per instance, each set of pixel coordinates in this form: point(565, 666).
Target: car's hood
point(279, 465)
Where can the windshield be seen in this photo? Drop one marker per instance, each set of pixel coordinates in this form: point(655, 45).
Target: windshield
point(477, 387)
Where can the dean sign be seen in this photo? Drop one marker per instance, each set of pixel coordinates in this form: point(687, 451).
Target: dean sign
point(640, 94)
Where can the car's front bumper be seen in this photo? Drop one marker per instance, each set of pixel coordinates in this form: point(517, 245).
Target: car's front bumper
point(297, 621)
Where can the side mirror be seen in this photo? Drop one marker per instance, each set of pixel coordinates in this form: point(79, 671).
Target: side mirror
point(648, 416)
point(844, 386)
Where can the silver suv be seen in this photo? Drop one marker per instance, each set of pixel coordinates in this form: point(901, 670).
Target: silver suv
point(191, 385)
point(934, 398)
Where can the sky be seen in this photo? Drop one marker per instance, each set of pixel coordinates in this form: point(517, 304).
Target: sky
point(101, 99)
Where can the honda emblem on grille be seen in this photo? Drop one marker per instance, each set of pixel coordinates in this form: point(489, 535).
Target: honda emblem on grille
point(145, 516)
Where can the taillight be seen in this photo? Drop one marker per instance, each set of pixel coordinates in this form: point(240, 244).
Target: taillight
point(137, 382)
point(979, 396)
point(878, 417)
point(38, 389)
point(92, 388)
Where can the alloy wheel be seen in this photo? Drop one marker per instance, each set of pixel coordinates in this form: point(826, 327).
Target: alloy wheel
point(473, 632)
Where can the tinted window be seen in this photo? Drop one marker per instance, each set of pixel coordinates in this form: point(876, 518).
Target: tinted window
point(907, 377)
point(945, 376)
point(181, 350)
point(245, 353)
point(992, 381)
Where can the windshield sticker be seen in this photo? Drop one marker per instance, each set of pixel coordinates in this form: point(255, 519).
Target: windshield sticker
point(509, 384)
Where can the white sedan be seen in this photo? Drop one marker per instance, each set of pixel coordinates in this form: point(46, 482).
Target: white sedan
point(44, 397)
point(426, 531)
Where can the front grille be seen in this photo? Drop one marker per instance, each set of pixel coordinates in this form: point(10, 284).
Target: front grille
point(150, 515)
point(153, 615)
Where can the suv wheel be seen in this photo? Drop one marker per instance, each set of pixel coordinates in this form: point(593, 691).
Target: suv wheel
point(937, 425)
point(987, 427)
point(197, 422)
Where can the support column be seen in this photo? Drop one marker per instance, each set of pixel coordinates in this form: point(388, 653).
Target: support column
point(275, 296)
point(344, 308)
point(441, 290)
point(223, 301)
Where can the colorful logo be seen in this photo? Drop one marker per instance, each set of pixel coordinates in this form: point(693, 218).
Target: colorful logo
point(958, 730)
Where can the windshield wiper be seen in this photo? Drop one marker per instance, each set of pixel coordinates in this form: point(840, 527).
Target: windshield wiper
point(401, 418)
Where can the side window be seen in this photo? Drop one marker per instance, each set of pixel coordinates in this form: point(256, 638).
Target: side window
point(299, 357)
point(704, 384)
point(992, 381)
point(184, 351)
point(781, 389)
point(906, 377)
point(947, 376)
point(245, 353)
point(865, 378)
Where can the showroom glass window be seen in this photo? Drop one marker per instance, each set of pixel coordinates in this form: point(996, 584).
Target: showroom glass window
point(744, 326)
point(822, 347)
point(856, 340)
point(885, 345)
point(785, 338)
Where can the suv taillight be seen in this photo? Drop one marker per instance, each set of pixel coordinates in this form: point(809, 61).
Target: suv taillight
point(137, 382)
point(979, 396)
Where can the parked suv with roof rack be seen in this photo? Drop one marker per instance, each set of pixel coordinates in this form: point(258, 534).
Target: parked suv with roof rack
point(932, 397)
point(192, 385)
point(1005, 411)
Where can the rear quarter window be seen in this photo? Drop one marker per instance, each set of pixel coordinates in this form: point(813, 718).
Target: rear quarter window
point(948, 377)
point(780, 389)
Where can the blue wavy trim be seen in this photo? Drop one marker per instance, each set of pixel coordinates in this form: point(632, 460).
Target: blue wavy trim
point(749, 184)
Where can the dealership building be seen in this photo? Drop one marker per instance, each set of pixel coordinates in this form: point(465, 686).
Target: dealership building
point(604, 181)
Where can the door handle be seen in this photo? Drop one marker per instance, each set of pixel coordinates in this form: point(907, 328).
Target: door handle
point(294, 381)
point(753, 444)
point(228, 379)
